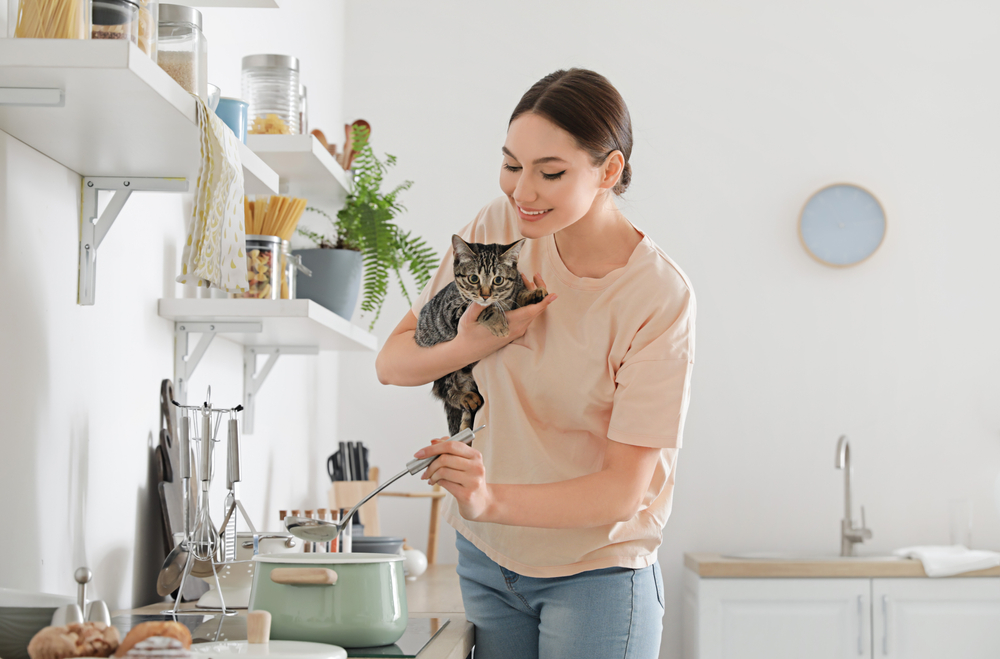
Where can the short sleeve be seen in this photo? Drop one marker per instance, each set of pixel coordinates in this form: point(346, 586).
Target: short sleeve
point(653, 384)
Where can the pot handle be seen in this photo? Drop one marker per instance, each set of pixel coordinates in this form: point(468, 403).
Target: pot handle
point(303, 576)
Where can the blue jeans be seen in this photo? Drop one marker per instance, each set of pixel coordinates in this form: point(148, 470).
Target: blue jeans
point(600, 614)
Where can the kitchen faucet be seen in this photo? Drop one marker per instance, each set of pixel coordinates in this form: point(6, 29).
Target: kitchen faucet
point(849, 534)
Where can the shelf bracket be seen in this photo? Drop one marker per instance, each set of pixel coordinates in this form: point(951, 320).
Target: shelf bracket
point(184, 364)
point(252, 380)
point(93, 229)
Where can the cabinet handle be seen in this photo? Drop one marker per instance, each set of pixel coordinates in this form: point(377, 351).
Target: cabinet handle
point(885, 624)
point(861, 628)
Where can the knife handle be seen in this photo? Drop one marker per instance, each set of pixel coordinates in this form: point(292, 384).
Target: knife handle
point(465, 436)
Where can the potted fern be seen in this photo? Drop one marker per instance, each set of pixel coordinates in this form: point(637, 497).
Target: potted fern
point(365, 237)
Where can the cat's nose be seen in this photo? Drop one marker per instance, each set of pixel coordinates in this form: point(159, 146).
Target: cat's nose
point(485, 292)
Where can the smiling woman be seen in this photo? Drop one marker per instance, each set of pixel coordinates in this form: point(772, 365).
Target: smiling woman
point(560, 503)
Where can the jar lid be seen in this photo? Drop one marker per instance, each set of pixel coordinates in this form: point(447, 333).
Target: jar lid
point(270, 61)
point(113, 12)
point(179, 14)
point(263, 238)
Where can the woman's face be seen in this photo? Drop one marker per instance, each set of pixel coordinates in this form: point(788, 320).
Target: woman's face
point(549, 180)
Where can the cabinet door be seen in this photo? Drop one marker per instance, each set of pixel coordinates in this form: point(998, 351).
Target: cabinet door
point(784, 618)
point(934, 618)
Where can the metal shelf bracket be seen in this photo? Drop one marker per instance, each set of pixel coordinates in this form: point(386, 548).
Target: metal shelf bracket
point(252, 380)
point(184, 364)
point(94, 229)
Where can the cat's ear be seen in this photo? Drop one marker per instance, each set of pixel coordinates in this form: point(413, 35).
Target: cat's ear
point(462, 249)
point(513, 250)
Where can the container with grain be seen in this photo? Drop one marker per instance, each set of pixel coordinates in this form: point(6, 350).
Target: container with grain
point(182, 50)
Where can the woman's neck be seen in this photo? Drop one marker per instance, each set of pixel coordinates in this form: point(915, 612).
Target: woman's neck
point(597, 243)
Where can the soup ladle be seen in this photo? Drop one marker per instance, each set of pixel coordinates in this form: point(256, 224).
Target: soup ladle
point(321, 530)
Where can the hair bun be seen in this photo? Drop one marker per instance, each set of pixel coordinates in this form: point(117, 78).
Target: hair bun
point(624, 180)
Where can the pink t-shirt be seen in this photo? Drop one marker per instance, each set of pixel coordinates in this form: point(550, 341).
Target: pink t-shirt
point(609, 360)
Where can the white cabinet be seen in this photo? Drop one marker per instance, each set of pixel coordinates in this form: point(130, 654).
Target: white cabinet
point(777, 618)
point(819, 618)
point(931, 618)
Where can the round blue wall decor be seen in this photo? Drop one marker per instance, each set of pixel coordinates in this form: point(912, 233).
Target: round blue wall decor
point(842, 224)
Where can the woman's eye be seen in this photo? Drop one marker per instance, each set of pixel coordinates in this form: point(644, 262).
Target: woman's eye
point(509, 168)
point(497, 281)
point(473, 279)
point(553, 177)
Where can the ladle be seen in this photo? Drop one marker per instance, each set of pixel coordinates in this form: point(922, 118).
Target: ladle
point(321, 530)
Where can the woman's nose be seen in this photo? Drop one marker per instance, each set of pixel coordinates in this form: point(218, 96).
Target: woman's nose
point(523, 191)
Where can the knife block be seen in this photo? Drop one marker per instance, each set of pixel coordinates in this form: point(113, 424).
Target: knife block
point(345, 494)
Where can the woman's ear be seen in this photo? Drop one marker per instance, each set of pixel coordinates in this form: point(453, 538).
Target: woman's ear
point(612, 169)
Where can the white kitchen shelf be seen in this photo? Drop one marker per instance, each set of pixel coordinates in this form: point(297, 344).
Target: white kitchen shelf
point(260, 4)
point(121, 114)
point(304, 167)
point(287, 323)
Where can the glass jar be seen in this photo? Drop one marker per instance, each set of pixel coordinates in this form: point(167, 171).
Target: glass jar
point(263, 267)
point(182, 50)
point(44, 19)
point(270, 84)
point(115, 19)
point(303, 110)
point(149, 12)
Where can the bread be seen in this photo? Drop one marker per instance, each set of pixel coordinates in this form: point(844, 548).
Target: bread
point(78, 639)
point(146, 630)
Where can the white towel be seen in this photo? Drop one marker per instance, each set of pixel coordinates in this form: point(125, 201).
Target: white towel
point(214, 253)
point(945, 561)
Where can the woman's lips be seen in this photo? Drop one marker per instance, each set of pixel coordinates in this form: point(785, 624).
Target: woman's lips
point(531, 215)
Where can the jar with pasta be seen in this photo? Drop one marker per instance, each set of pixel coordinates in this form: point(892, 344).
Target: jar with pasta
point(149, 12)
point(264, 271)
point(270, 84)
point(48, 19)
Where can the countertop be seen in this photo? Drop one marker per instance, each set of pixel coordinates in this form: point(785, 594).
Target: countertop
point(435, 594)
point(708, 565)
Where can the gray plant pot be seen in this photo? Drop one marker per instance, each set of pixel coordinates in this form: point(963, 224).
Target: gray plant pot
point(335, 281)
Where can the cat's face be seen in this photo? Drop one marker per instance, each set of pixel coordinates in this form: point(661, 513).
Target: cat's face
point(486, 273)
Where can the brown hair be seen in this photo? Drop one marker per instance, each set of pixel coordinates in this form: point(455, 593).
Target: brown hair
point(588, 107)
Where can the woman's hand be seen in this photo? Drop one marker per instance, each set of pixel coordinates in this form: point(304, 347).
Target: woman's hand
point(481, 341)
point(460, 471)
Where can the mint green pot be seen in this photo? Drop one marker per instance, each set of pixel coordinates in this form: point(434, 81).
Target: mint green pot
point(364, 608)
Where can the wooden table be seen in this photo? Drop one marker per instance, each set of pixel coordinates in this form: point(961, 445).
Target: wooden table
point(435, 594)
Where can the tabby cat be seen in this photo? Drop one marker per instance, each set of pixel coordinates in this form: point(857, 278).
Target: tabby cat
point(486, 275)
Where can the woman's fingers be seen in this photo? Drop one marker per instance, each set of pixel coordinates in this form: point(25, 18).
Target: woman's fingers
point(536, 282)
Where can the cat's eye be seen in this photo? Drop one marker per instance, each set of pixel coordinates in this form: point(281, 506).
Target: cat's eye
point(473, 279)
point(497, 281)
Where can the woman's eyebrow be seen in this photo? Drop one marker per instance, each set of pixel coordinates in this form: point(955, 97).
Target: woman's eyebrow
point(538, 161)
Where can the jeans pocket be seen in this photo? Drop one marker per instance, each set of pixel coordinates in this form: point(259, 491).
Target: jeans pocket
point(658, 580)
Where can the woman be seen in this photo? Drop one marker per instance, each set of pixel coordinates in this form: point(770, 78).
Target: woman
point(560, 503)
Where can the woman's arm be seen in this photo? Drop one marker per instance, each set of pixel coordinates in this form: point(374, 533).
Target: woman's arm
point(613, 494)
point(402, 362)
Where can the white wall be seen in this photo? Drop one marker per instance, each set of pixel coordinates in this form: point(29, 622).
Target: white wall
point(740, 113)
point(80, 385)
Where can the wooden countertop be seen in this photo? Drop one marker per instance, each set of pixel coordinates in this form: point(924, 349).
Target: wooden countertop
point(710, 565)
point(435, 594)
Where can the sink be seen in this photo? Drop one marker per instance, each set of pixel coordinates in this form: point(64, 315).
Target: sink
point(807, 557)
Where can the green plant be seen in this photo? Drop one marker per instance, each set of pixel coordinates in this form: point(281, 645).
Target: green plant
point(366, 224)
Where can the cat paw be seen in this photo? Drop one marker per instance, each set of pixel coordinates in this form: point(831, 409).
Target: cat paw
point(499, 330)
point(535, 296)
point(471, 401)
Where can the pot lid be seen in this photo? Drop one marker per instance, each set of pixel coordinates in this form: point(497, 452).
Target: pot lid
point(327, 559)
